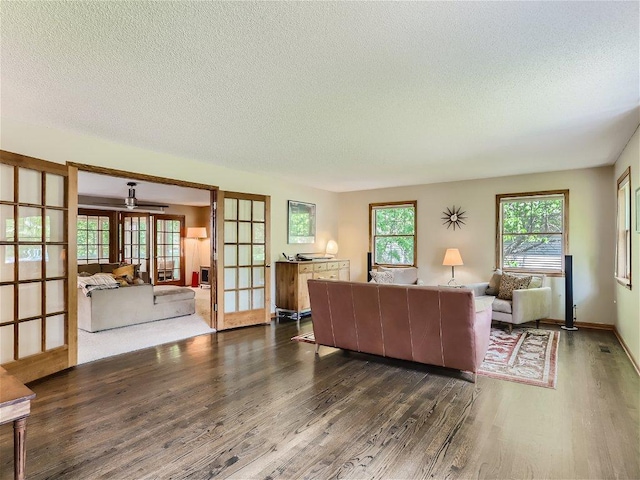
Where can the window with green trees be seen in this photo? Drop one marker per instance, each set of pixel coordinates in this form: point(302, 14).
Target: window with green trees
point(393, 233)
point(532, 231)
point(94, 233)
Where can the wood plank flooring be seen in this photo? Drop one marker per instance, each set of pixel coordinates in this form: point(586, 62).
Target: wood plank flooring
point(250, 403)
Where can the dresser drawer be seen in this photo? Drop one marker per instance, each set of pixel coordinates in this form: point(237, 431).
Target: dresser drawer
point(320, 267)
point(305, 268)
point(344, 264)
point(333, 265)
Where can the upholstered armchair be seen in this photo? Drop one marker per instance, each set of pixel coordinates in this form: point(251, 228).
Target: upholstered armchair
point(527, 304)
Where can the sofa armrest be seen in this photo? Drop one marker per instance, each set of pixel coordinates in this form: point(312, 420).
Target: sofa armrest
point(531, 304)
point(479, 289)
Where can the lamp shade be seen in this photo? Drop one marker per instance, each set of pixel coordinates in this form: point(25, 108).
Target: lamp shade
point(452, 257)
point(332, 247)
point(196, 232)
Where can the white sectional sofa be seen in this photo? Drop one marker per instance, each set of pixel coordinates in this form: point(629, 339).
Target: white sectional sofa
point(131, 305)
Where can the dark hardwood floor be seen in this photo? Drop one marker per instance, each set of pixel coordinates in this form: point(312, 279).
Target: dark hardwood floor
point(251, 403)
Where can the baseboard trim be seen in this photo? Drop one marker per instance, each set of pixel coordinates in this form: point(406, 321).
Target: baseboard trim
point(626, 350)
point(594, 326)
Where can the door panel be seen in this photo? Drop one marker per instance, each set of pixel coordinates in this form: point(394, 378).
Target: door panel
point(34, 279)
point(134, 241)
point(244, 266)
point(169, 249)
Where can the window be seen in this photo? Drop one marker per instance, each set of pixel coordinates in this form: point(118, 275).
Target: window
point(94, 233)
point(532, 231)
point(623, 230)
point(393, 233)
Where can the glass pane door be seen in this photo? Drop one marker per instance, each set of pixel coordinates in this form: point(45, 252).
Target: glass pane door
point(34, 333)
point(134, 246)
point(244, 263)
point(169, 254)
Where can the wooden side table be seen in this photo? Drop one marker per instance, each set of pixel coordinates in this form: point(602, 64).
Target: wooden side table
point(15, 406)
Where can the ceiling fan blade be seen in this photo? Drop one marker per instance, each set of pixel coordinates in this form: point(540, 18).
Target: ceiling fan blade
point(151, 204)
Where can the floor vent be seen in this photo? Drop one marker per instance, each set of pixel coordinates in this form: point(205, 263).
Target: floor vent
point(604, 349)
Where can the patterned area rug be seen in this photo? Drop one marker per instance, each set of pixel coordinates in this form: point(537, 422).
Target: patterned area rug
point(526, 355)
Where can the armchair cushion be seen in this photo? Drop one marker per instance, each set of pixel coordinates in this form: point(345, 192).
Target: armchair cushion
point(493, 288)
point(500, 305)
point(509, 283)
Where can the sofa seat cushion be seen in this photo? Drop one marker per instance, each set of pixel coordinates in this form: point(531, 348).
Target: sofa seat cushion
point(501, 305)
point(483, 302)
point(167, 293)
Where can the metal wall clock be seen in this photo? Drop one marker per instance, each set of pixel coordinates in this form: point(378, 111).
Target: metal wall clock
point(454, 216)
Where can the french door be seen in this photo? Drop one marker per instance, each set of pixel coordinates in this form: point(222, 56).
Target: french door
point(134, 240)
point(169, 251)
point(34, 276)
point(244, 269)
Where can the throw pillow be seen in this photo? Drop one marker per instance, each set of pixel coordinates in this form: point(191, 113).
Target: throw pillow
point(494, 284)
point(509, 283)
point(402, 275)
point(536, 282)
point(382, 277)
point(124, 271)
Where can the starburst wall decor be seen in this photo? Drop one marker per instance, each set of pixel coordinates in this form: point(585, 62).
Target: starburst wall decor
point(454, 216)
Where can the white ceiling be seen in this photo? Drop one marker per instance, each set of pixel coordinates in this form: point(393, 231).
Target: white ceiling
point(339, 95)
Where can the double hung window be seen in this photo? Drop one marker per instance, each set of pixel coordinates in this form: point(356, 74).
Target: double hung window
point(393, 233)
point(532, 231)
point(623, 230)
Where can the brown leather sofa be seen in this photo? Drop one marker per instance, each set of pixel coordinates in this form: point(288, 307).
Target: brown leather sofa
point(432, 325)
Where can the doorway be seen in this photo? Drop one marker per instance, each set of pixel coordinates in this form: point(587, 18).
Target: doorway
point(153, 235)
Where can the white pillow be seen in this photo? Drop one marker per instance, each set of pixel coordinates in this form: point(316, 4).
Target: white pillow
point(381, 277)
point(402, 275)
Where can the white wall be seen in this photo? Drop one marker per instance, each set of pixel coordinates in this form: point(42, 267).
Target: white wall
point(61, 146)
point(591, 225)
point(628, 301)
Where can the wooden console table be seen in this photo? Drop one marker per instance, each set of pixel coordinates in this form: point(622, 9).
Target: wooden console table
point(15, 406)
point(292, 294)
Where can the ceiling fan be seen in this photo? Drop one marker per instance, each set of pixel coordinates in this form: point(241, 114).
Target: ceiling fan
point(131, 202)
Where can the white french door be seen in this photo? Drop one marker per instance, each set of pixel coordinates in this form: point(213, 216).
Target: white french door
point(244, 269)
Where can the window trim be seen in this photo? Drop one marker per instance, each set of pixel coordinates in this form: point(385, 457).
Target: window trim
point(408, 203)
point(565, 230)
point(113, 229)
point(625, 177)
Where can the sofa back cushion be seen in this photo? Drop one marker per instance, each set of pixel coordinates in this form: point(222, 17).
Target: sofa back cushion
point(89, 269)
point(424, 324)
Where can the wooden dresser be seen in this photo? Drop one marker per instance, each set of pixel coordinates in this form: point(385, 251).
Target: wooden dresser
point(292, 295)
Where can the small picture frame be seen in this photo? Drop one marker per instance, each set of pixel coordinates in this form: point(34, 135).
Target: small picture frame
point(301, 224)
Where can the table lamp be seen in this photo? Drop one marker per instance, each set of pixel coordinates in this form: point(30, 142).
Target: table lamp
point(452, 259)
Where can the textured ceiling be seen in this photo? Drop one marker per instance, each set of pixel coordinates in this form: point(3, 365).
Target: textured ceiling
point(339, 95)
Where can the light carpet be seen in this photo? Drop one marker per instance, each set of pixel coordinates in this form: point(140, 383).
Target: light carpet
point(526, 355)
point(94, 346)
